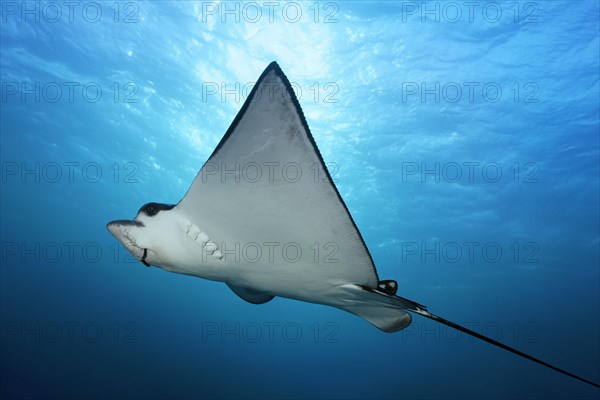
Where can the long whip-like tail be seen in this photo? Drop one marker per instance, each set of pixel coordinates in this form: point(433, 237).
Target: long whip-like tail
point(419, 309)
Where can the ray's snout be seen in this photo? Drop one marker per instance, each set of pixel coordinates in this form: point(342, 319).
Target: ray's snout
point(117, 227)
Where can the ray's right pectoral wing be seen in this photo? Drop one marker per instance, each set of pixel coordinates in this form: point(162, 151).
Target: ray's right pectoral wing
point(266, 182)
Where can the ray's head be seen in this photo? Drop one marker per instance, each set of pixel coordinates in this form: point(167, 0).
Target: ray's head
point(144, 236)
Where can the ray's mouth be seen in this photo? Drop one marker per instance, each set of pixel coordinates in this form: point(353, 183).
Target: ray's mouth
point(137, 252)
point(143, 259)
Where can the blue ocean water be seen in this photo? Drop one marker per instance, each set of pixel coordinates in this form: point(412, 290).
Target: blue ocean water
point(463, 136)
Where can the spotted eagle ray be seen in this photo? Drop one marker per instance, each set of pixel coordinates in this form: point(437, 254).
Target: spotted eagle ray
point(264, 216)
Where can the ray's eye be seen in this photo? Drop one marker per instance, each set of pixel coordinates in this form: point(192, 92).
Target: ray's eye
point(151, 209)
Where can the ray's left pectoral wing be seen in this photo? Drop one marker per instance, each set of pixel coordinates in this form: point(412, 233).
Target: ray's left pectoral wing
point(251, 295)
point(266, 182)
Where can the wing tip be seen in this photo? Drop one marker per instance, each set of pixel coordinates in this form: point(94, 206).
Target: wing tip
point(273, 65)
